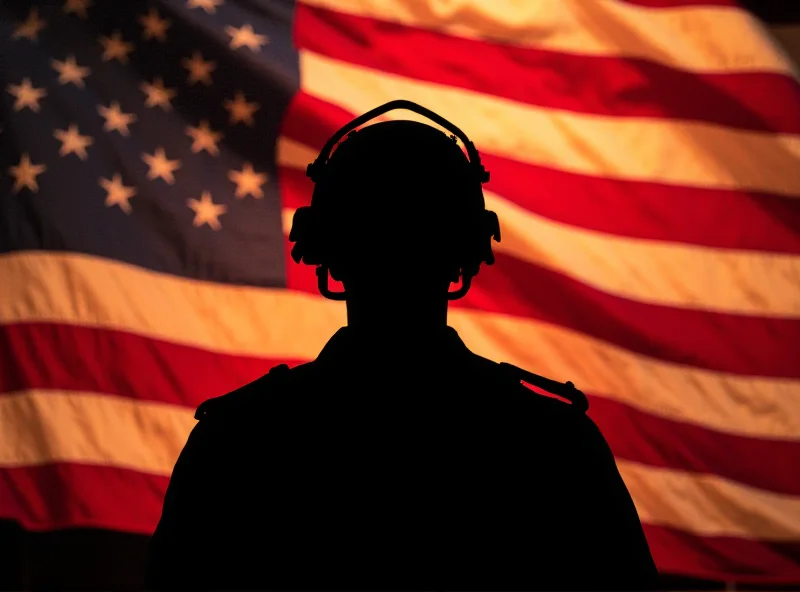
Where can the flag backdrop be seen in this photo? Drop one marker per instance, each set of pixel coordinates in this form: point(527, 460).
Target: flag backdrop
point(645, 159)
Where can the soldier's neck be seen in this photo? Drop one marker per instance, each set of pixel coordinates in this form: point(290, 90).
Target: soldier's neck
point(399, 318)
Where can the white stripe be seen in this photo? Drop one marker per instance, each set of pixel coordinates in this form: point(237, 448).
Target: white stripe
point(708, 505)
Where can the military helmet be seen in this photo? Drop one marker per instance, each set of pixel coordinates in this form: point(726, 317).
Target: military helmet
point(400, 197)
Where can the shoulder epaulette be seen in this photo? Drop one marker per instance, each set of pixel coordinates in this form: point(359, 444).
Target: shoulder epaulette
point(273, 379)
point(565, 390)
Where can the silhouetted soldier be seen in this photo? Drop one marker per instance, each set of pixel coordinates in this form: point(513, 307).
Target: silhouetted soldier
point(398, 458)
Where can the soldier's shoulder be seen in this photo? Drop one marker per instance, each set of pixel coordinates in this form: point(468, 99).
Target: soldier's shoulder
point(258, 395)
point(515, 384)
point(562, 418)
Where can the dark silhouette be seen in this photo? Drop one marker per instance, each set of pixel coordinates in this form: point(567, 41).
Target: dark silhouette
point(398, 459)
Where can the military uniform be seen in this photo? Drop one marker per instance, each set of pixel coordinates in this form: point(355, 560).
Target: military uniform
point(431, 468)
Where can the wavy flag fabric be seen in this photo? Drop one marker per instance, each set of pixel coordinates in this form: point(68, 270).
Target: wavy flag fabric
point(645, 160)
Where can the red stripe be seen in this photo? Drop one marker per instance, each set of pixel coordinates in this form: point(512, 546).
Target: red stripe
point(123, 364)
point(58, 496)
point(739, 344)
point(714, 341)
point(706, 217)
point(638, 436)
point(585, 84)
point(723, 558)
point(53, 356)
point(67, 495)
point(704, 339)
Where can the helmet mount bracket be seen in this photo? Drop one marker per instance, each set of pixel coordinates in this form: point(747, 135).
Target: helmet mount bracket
point(324, 287)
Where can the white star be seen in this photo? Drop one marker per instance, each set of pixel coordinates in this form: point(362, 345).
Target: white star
point(206, 211)
point(79, 7)
point(154, 25)
point(248, 182)
point(73, 142)
point(70, 71)
point(160, 166)
point(116, 193)
point(210, 6)
point(199, 70)
point(30, 27)
point(116, 120)
point(114, 47)
point(158, 94)
point(25, 174)
point(26, 95)
point(246, 36)
point(240, 109)
point(204, 138)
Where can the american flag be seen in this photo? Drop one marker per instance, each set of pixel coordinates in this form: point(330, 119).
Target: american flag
point(645, 159)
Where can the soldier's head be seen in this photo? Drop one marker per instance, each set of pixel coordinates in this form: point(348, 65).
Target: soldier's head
point(398, 210)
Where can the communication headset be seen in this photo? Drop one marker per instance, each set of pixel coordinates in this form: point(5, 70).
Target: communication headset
point(483, 225)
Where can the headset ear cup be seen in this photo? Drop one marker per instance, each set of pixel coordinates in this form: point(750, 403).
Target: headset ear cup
point(490, 230)
point(297, 252)
point(303, 234)
point(299, 224)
